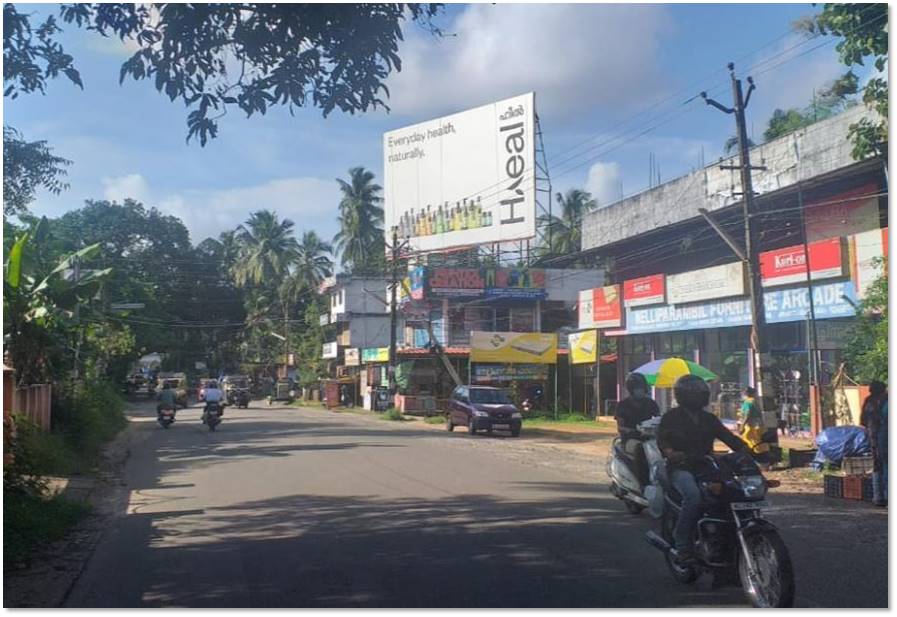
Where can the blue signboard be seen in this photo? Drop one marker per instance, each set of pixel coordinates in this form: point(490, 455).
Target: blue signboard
point(794, 304)
point(781, 306)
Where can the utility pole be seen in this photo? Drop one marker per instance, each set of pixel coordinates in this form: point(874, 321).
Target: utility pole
point(750, 255)
point(396, 251)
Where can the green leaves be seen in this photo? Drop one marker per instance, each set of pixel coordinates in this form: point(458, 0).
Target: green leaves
point(14, 265)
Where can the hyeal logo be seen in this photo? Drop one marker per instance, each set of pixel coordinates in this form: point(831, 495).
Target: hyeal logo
point(497, 341)
point(512, 112)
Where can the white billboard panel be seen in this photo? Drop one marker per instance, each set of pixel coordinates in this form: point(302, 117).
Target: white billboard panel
point(721, 281)
point(463, 179)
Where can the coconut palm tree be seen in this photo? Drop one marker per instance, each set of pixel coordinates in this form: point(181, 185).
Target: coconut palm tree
point(313, 261)
point(566, 229)
point(267, 249)
point(360, 237)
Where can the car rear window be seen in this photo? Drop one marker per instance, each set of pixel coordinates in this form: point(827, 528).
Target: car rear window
point(495, 397)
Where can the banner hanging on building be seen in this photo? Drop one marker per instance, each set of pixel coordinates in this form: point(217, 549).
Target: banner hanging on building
point(464, 179)
point(789, 265)
point(600, 307)
point(721, 281)
point(583, 347)
point(352, 356)
point(644, 291)
point(516, 347)
point(375, 354)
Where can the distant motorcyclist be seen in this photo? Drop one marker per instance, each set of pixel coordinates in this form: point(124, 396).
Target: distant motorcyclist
point(213, 395)
point(685, 436)
point(167, 398)
point(632, 411)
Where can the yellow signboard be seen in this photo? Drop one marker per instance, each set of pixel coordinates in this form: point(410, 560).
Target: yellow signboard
point(516, 347)
point(583, 347)
point(375, 354)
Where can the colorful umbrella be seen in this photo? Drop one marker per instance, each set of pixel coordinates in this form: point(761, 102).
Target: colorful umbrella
point(664, 373)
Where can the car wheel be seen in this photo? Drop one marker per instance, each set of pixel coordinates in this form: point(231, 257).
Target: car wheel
point(471, 430)
point(449, 425)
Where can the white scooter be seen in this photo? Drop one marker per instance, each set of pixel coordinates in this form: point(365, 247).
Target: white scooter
point(636, 492)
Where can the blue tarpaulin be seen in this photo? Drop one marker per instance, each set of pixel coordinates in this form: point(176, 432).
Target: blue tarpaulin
point(839, 441)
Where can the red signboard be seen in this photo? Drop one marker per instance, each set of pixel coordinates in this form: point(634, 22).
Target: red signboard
point(645, 290)
point(607, 310)
point(788, 265)
point(456, 281)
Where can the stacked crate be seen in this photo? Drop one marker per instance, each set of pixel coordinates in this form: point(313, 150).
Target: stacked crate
point(854, 483)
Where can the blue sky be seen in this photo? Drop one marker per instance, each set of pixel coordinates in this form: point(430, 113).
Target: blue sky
point(595, 69)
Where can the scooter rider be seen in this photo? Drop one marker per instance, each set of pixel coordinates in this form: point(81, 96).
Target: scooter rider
point(213, 395)
point(685, 436)
point(631, 412)
point(167, 398)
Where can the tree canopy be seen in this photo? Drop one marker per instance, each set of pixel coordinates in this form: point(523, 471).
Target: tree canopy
point(213, 57)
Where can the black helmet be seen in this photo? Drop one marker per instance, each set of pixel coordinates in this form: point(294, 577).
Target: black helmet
point(635, 381)
point(692, 392)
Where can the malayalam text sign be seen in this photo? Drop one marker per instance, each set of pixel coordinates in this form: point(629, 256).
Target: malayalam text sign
point(721, 281)
point(644, 291)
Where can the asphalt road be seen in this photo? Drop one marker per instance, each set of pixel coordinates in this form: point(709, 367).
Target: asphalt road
point(284, 507)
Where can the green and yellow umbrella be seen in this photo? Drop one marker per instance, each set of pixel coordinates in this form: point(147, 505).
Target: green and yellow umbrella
point(664, 373)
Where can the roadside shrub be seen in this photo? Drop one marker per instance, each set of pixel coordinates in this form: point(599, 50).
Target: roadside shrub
point(31, 519)
point(89, 415)
point(393, 415)
point(40, 452)
point(435, 419)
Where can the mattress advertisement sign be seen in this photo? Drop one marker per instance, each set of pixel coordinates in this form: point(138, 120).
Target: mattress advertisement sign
point(463, 179)
point(583, 347)
point(600, 307)
point(789, 265)
point(513, 347)
point(644, 291)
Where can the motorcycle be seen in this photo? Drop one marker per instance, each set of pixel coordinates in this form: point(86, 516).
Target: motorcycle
point(630, 476)
point(731, 538)
point(165, 417)
point(211, 415)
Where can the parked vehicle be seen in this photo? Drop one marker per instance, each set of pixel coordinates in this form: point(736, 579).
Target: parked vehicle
point(284, 390)
point(630, 475)
point(731, 537)
point(166, 417)
point(480, 408)
point(211, 415)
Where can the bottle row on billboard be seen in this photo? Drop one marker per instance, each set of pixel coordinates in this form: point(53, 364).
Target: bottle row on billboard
point(463, 179)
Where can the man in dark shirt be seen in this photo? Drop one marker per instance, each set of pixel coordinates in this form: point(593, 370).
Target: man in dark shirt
point(632, 411)
point(686, 435)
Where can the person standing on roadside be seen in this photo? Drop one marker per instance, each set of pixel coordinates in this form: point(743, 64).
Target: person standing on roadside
point(874, 419)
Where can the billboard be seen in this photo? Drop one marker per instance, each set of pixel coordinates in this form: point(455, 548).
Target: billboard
point(868, 248)
point(375, 354)
point(600, 307)
point(789, 265)
point(352, 357)
point(514, 347)
point(463, 179)
point(507, 283)
point(644, 291)
point(583, 347)
point(706, 284)
point(329, 350)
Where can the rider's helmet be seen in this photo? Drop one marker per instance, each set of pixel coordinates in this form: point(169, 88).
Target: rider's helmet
point(212, 384)
point(636, 382)
point(692, 392)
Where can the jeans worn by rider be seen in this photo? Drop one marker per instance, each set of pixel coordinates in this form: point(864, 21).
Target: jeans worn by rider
point(692, 434)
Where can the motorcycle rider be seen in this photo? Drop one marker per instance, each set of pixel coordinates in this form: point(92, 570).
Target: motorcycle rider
point(167, 399)
point(632, 411)
point(213, 395)
point(685, 436)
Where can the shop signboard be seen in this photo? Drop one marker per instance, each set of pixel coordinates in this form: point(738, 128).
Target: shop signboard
point(375, 354)
point(721, 281)
point(515, 283)
point(789, 265)
point(780, 306)
point(324, 319)
point(600, 307)
point(457, 282)
point(583, 347)
point(794, 304)
point(644, 291)
point(868, 248)
point(352, 356)
point(513, 347)
point(464, 179)
point(417, 280)
point(330, 350)
point(485, 373)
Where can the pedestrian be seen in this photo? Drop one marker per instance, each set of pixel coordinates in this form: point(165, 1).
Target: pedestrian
point(752, 422)
point(874, 418)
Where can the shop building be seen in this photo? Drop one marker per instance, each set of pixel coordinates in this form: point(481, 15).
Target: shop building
point(679, 290)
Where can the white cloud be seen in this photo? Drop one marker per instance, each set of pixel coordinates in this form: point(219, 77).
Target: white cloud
point(575, 57)
point(311, 203)
point(122, 187)
point(603, 183)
